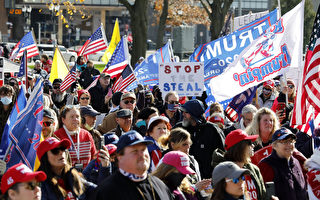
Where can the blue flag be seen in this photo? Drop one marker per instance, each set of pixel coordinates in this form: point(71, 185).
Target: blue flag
point(147, 73)
point(26, 131)
point(23, 65)
point(19, 105)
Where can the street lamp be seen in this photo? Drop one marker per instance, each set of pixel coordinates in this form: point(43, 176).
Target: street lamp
point(54, 9)
point(27, 17)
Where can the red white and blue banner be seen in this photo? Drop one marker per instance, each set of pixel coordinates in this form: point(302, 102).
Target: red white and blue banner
point(270, 55)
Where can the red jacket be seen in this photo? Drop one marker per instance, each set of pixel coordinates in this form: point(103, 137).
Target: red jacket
point(87, 147)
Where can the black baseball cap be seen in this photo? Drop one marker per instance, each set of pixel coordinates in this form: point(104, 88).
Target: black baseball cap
point(131, 138)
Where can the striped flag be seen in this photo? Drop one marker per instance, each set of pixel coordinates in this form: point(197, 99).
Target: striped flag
point(125, 79)
point(69, 79)
point(119, 59)
point(23, 65)
point(95, 43)
point(26, 43)
point(308, 94)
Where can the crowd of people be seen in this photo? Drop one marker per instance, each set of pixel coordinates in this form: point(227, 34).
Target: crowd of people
point(101, 144)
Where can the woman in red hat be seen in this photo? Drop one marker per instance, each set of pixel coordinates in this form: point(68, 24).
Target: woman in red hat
point(63, 182)
point(19, 182)
point(239, 149)
point(84, 97)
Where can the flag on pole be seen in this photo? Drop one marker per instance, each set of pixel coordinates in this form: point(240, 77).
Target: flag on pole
point(115, 39)
point(26, 130)
point(59, 67)
point(119, 59)
point(23, 65)
point(19, 105)
point(95, 43)
point(69, 79)
point(26, 43)
point(125, 79)
point(270, 55)
point(308, 87)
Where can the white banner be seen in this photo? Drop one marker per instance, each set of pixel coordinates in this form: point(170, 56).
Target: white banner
point(270, 55)
point(186, 78)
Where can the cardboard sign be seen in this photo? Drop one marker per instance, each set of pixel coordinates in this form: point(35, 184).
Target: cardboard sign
point(261, 154)
point(186, 78)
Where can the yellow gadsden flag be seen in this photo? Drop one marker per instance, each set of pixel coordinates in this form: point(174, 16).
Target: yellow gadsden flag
point(115, 39)
point(59, 67)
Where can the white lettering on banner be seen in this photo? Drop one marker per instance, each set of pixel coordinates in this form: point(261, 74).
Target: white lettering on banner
point(266, 153)
point(186, 78)
point(250, 184)
point(251, 187)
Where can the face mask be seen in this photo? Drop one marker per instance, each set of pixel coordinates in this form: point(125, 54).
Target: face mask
point(172, 107)
point(6, 100)
point(89, 128)
point(148, 101)
point(174, 180)
point(141, 123)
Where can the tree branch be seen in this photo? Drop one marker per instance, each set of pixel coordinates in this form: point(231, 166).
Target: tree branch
point(127, 5)
point(207, 10)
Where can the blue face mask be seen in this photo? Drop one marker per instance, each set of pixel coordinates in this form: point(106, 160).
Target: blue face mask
point(6, 100)
point(141, 123)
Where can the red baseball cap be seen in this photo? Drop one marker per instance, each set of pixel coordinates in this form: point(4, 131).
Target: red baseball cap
point(111, 148)
point(179, 160)
point(51, 143)
point(269, 83)
point(20, 173)
point(237, 136)
point(80, 92)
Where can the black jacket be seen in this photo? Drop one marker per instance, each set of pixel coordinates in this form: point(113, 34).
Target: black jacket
point(87, 75)
point(206, 138)
point(97, 98)
point(120, 187)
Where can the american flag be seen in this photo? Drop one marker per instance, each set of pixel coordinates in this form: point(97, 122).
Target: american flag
point(69, 79)
point(28, 43)
point(309, 88)
point(23, 65)
point(125, 79)
point(95, 43)
point(119, 59)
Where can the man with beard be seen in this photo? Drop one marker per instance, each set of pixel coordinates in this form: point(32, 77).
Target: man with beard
point(59, 98)
point(132, 181)
point(205, 136)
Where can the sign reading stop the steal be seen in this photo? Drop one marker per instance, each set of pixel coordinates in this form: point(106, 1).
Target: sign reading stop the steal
point(186, 78)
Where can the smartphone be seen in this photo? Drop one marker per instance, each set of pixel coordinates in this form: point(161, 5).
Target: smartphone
point(102, 142)
point(281, 106)
point(270, 189)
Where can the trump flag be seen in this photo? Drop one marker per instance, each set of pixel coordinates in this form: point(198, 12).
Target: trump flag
point(270, 55)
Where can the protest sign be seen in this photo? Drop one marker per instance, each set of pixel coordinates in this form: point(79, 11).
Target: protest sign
point(186, 78)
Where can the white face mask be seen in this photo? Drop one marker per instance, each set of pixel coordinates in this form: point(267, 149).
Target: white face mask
point(6, 100)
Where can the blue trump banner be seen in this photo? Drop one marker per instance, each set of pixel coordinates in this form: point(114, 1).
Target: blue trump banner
point(19, 105)
point(26, 131)
point(147, 72)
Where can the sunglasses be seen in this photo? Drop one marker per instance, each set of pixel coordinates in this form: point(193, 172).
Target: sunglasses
point(291, 86)
point(236, 180)
point(32, 185)
point(127, 102)
point(173, 102)
point(84, 98)
point(56, 87)
point(57, 150)
point(267, 89)
point(47, 124)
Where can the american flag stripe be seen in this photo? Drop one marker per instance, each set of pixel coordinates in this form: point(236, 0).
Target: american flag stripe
point(69, 79)
point(95, 43)
point(123, 84)
point(26, 43)
point(32, 51)
point(116, 69)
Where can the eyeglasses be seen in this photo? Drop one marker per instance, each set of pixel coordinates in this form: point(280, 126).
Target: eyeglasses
point(47, 124)
point(267, 89)
point(291, 86)
point(32, 185)
point(84, 98)
point(236, 180)
point(127, 102)
point(287, 142)
point(173, 102)
point(56, 151)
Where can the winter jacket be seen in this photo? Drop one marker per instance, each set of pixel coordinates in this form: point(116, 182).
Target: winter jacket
point(48, 193)
point(287, 176)
point(95, 173)
point(98, 94)
point(87, 75)
point(206, 137)
point(120, 187)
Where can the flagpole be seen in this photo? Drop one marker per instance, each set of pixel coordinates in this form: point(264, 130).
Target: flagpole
point(26, 72)
point(279, 6)
point(7, 151)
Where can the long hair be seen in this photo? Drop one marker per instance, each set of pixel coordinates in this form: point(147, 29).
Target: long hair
point(254, 127)
point(220, 191)
point(176, 136)
point(77, 187)
point(163, 170)
point(237, 153)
